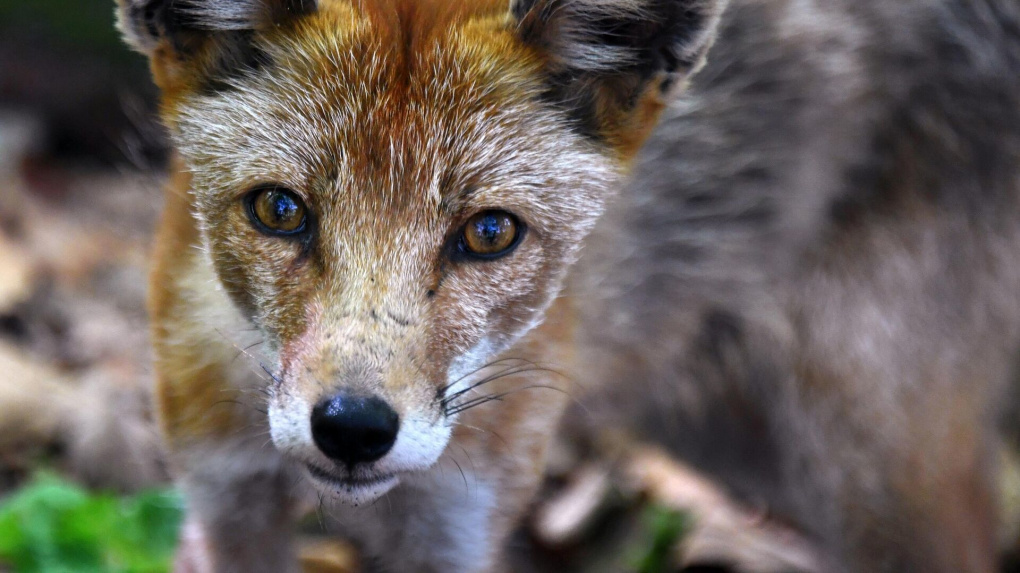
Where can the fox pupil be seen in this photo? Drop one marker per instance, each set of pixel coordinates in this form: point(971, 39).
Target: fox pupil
point(284, 208)
point(277, 211)
point(490, 229)
point(490, 234)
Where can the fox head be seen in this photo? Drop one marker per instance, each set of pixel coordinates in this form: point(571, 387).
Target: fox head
point(393, 190)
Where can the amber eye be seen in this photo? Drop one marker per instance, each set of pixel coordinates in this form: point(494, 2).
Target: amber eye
point(490, 234)
point(277, 211)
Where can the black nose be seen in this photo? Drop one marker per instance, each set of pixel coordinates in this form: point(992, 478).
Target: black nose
point(353, 429)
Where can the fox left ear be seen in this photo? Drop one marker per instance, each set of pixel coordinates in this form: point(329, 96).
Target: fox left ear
point(145, 23)
point(611, 62)
point(198, 40)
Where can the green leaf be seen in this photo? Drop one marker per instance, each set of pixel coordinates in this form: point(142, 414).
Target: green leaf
point(52, 526)
point(665, 528)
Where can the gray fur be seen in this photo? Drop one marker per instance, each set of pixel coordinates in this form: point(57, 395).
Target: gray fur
point(595, 36)
point(146, 22)
point(812, 279)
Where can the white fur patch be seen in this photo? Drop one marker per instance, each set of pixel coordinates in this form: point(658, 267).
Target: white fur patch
point(289, 424)
point(216, 327)
point(419, 445)
point(464, 368)
point(437, 520)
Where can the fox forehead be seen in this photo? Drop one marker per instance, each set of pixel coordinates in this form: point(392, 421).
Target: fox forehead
point(414, 117)
point(392, 135)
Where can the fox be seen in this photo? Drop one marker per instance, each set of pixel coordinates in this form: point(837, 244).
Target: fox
point(372, 209)
point(778, 237)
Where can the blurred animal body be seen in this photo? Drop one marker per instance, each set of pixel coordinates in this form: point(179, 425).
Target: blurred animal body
point(810, 279)
point(811, 282)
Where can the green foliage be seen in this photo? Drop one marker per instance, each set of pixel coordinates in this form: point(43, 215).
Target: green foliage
point(52, 526)
point(665, 528)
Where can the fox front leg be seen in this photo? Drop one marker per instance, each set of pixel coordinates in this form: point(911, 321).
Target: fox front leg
point(241, 514)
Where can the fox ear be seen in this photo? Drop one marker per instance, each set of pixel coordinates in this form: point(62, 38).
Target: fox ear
point(607, 61)
point(184, 27)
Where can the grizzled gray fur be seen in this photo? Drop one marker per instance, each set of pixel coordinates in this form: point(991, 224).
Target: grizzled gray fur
point(812, 281)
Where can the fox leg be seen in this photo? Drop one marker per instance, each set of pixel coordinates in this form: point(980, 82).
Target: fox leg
point(241, 496)
point(240, 514)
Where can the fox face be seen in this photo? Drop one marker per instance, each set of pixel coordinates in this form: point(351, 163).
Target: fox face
point(392, 192)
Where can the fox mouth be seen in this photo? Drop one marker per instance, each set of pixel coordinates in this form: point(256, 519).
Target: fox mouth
point(351, 489)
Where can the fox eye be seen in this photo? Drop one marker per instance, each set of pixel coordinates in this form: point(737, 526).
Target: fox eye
point(277, 211)
point(490, 234)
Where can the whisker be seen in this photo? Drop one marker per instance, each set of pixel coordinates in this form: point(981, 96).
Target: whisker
point(492, 378)
point(243, 351)
point(274, 377)
point(239, 403)
point(487, 431)
point(250, 357)
point(475, 402)
point(448, 403)
point(467, 454)
point(318, 512)
point(442, 391)
point(457, 409)
point(467, 488)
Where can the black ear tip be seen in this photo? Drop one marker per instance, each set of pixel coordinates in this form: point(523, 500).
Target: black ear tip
point(185, 22)
point(148, 14)
point(302, 6)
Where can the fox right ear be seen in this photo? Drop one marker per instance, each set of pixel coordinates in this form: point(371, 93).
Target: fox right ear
point(184, 24)
point(609, 62)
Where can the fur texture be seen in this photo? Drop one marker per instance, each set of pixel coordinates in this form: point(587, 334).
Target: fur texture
point(812, 278)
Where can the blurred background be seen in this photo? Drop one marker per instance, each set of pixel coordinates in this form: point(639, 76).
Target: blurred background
point(82, 486)
point(81, 158)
